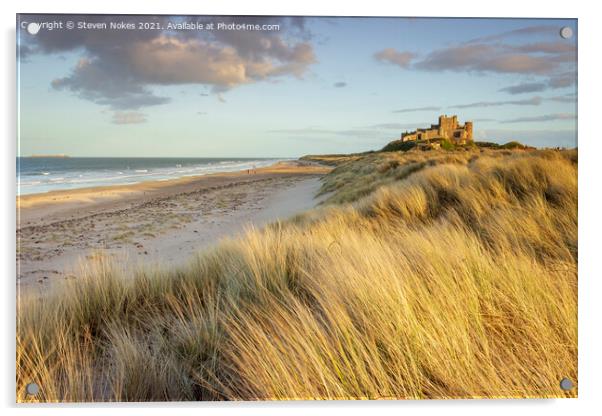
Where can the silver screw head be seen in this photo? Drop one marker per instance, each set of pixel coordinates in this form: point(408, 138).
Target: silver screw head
point(32, 389)
point(566, 32)
point(566, 384)
point(33, 28)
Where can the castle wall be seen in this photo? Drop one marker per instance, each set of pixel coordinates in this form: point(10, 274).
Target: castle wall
point(468, 128)
point(428, 134)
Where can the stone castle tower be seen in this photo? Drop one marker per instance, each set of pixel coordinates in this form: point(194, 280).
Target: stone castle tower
point(447, 129)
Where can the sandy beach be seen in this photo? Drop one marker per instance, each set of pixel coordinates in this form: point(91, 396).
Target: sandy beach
point(153, 222)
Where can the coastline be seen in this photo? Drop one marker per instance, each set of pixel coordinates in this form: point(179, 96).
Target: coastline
point(164, 221)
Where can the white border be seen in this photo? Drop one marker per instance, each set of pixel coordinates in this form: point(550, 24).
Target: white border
point(590, 214)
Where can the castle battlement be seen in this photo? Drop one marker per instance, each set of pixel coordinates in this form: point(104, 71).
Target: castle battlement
point(447, 129)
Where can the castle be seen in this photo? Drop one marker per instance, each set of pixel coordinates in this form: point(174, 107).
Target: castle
point(447, 129)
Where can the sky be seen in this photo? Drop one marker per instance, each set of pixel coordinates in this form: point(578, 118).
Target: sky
point(287, 86)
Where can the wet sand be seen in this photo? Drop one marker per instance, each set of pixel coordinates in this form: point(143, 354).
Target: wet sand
point(155, 222)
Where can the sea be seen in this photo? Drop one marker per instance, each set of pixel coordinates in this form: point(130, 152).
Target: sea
point(44, 174)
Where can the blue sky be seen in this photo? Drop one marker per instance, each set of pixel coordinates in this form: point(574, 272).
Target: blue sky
point(316, 85)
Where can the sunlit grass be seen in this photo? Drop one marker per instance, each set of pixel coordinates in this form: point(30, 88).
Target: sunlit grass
point(425, 275)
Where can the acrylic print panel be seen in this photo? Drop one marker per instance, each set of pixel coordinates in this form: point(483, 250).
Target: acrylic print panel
point(278, 208)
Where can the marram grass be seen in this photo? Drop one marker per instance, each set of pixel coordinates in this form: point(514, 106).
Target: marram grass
point(425, 275)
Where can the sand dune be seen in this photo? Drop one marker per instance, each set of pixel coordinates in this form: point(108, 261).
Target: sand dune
point(424, 275)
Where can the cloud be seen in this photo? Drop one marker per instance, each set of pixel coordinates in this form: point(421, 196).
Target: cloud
point(119, 68)
point(533, 101)
point(528, 101)
point(554, 82)
point(537, 138)
point(411, 110)
point(526, 87)
point(93, 80)
point(201, 113)
point(567, 98)
point(371, 132)
point(398, 126)
point(548, 47)
point(340, 84)
point(366, 133)
point(303, 131)
point(128, 117)
point(168, 60)
point(392, 56)
point(547, 117)
point(485, 58)
point(543, 59)
point(566, 79)
point(529, 30)
point(551, 62)
point(23, 52)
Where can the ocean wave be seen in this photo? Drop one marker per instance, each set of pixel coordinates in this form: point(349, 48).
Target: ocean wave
point(73, 179)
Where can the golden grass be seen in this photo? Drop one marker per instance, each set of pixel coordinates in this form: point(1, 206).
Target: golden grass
point(435, 275)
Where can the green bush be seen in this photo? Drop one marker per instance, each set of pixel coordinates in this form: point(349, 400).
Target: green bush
point(447, 145)
point(399, 145)
point(513, 145)
point(487, 145)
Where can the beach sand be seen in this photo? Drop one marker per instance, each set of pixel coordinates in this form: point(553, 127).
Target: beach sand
point(153, 223)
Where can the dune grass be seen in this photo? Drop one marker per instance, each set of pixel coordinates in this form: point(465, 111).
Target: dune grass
point(426, 275)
